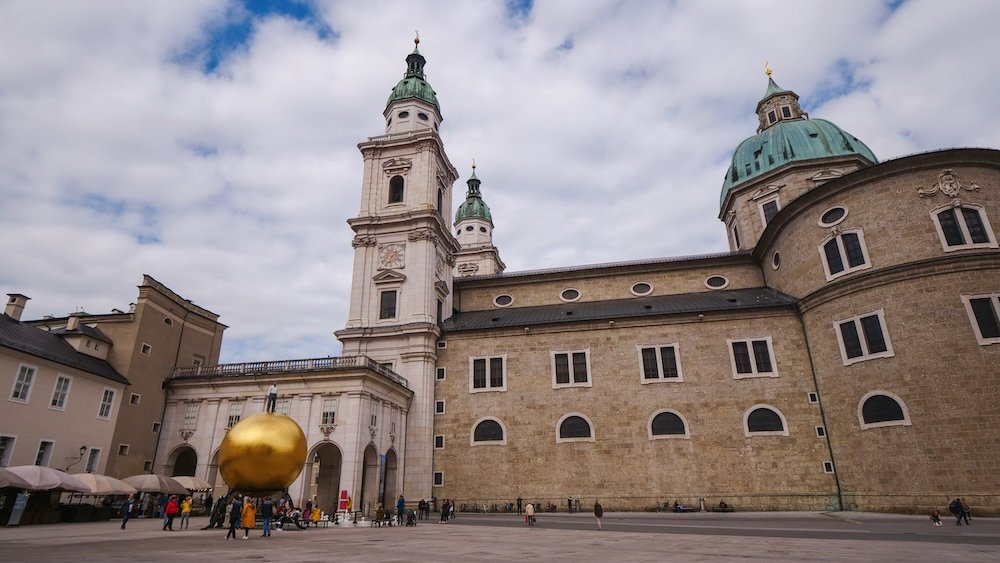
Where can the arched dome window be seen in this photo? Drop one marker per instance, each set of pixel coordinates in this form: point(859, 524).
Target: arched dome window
point(575, 428)
point(488, 430)
point(881, 408)
point(764, 420)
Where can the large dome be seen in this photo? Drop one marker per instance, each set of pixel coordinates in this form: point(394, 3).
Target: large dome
point(413, 84)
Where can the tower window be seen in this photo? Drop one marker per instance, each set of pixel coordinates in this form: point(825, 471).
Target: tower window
point(963, 227)
point(422, 116)
point(786, 111)
point(387, 304)
point(403, 114)
point(396, 189)
point(771, 117)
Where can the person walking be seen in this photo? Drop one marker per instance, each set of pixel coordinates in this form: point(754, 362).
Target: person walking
point(966, 511)
point(598, 513)
point(400, 507)
point(444, 512)
point(186, 513)
point(248, 516)
point(266, 514)
point(169, 513)
point(529, 514)
point(956, 508)
point(127, 507)
point(235, 512)
point(272, 397)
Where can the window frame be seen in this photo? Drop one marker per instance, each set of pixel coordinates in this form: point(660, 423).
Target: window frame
point(838, 236)
point(107, 402)
point(977, 330)
point(572, 371)
point(231, 412)
point(438, 479)
point(649, 426)
point(489, 362)
point(862, 337)
point(93, 460)
point(145, 349)
point(123, 449)
point(439, 407)
point(963, 227)
point(500, 442)
point(328, 415)
point(660, 377)
point(44, 457)
point(902, 406)
point(395, 304)
point(438, 437)
point(593, 431)
point(764, 221)
point(758, 433)
point(441, 374)
point(390, 192)
point(191, 422)
point(23, 369)
point(65, 393)
point(753, 357)
point(7, 452)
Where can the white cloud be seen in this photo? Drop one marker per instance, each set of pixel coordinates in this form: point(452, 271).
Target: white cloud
point(601, 130)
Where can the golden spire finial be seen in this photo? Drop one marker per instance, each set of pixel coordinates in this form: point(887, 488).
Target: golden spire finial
point(416, 38)
point(767, 69)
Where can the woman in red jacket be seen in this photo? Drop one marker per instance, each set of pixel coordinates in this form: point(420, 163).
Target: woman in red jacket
point(171, 511)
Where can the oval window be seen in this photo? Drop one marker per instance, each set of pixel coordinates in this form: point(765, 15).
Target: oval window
point(716, 282)
point(469, 228)
point(776, 261)
point(422, 116)
point(832, 216)
point(641, 288)
point(503, 300)
point(482, 229)
point(403, 114)
point(569, 295)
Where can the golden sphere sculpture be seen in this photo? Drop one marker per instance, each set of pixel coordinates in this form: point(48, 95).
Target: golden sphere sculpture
point(263, 453)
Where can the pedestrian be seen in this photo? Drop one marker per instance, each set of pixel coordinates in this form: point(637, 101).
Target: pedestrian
point(955, 507)
point(451, 510)
point(529, 514)
point(208, 503)
point(248, 517)
point(127, 507)
point(519, 501)
point(170, 512)
point(598, 513)
point(315, 515)
point(272, 397)
point(936, 517)
point(266, 514)
point(186, 513)
point(444, 512)
point(308, 508)
point(235, 511)
point(966, 511)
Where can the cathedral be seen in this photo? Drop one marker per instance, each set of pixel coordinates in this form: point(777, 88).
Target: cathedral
point(843, 354)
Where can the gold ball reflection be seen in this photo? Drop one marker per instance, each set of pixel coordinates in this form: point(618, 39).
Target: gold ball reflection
point(262, 453)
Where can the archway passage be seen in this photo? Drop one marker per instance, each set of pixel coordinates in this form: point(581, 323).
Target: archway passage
point(369, 483)
point(185, 462)
point(391, 473)
point(323, 475)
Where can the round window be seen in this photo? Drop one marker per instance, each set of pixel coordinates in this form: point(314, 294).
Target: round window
point(503, 300)
point(482, 229)
point(422, 116)
point(776, 261)
point(403, 114)
point(716, 282)
point(641, 288)
point(469, 228)
point(569, 295)
point(832, 216)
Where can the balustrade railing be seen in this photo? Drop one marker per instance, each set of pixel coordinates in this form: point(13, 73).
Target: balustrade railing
point(289, 366)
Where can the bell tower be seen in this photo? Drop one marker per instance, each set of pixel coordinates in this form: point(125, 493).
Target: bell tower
point(403, 258)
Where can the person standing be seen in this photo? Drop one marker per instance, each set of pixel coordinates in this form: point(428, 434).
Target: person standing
point(266, 513)
point(208, 503)
point(248, 516)
point(169, 513)
point(519, 501)
point(966, 511)
point(444, 512)
point(956, 508)
point(400, 507)
point(235, 512)
point(186, 513)
point(127, 507)
point(529, 514)
point(598, 513)
point(272, 397)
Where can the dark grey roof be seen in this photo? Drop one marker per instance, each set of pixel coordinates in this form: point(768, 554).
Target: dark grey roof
point(723, 300)
point(44, 344)
point(85, 330)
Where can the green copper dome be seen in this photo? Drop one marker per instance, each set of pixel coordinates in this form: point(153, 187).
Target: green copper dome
point(787, 135)
point(473, 207)
point(413, 84)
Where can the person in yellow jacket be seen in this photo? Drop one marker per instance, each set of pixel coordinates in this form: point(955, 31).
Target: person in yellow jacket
point(315, 516)
point(249, 516)
point(186, 512)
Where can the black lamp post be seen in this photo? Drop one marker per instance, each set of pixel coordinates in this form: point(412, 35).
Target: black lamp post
point(83, 450)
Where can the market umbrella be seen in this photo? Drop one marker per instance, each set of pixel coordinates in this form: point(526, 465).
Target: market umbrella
point(41, 478)
point(150, 483)
point(104, 485)
point(11, 480)
point(193, 483)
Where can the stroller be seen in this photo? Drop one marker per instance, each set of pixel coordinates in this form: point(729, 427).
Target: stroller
point(411, 518)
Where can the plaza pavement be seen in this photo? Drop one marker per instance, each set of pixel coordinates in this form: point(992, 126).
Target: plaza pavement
point(773, 537)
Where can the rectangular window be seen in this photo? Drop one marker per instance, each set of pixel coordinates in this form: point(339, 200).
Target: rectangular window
point(736, 237)
point(197, 361)
point(827, 467)
point(191, 415)
point(820, 432)
point(134, 399)
point(283, 406)
point(387, 304)
point(768, 209)
point(659, 363)
point(440, 374)
point(93, 459)
point(146, 349)
point(984, 312)
point(571, 369)
point(6, 450)
point(438, 407)
point(439, 478)
point(147, 466)
point(329, 411)
point(107, 402)
point(752, 358)
point(963, 227)
point(156, 427)
point(863, 338)
point(439, 442)
point(235, 413)
point(487, 374)
point(813, 397)
point(60, 392)
point(786, 111)
point(44, 453)
point(122, 449)
point(844, 253)
point(22, 385)
point(771, 117)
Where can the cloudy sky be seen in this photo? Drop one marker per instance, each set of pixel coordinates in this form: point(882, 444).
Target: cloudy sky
point(212, 143)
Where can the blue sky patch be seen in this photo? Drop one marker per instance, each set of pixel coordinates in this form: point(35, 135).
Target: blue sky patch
point(842, 82)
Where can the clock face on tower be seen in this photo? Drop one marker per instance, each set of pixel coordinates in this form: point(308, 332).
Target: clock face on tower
point(390, 257)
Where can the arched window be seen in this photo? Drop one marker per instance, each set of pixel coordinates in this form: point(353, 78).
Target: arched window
point(488, 430)
point(965, 226)
point(575, 428)
point(881, 408)
point(396, 189)
point(667, 423)
point(764, 420)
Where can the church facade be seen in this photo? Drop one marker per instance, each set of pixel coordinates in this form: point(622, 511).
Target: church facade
point(843, 354)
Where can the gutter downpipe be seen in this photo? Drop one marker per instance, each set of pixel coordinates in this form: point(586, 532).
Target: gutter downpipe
point(822, 413)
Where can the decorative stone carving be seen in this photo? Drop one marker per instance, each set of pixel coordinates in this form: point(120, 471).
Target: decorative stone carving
point(186, 433)
point(392, 438)
point(948, 184)
point(395, 166)
point(826, 175)
point(363, 240)
point(372, 430)
point(468, 269)
point(422, 234)
point(327, 429)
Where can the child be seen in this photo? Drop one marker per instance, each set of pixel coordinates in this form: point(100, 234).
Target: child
point(936, 517)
